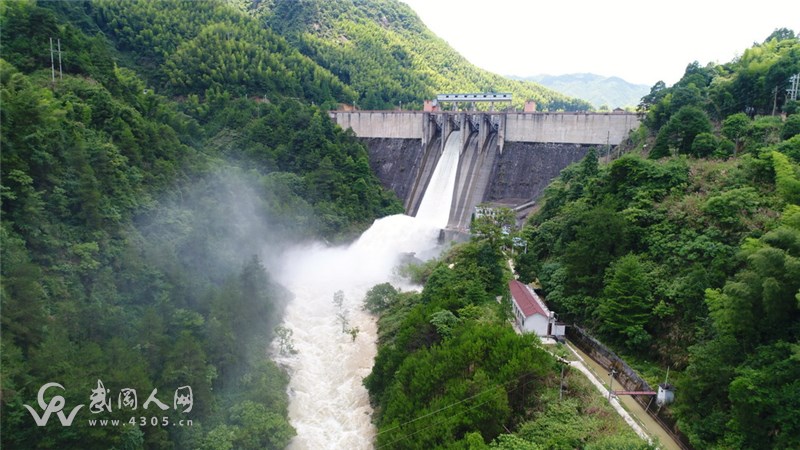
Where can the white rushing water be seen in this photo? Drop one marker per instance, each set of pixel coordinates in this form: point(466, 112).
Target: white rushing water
point(328, 404)
point(435, 205)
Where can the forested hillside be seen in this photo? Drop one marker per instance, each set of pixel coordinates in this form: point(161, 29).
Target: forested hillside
point(144, 191)
point(685, 253)
point(387, 55)
point(452, 373)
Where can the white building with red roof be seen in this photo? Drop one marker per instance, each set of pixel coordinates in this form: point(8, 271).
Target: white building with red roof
point(530, 312)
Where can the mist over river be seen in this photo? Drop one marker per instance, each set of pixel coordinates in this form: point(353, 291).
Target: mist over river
point(328, 404)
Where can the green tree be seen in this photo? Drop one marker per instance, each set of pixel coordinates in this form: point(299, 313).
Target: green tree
point(600, 236)
point(787, 179)
point(495, 227)
point(705, 144)
point(626, 304)
point(735, 375)
point(487, 362)
point(284, 336)
point(736, 127)
point(444, 321)
point(791, 127)
point(680, 132)
point(260, 428)
point(781, 34)
point(380, 297)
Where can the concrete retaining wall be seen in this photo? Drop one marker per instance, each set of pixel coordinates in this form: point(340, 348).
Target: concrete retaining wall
point(627, 377)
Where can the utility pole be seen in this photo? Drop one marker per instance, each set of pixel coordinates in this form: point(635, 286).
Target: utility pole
point(52, 65)
point(60, 72)
point(611, 382)
point(792, 91)
point(564, 364)
point(774, 100)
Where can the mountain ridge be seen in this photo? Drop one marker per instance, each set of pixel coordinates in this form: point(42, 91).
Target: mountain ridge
point(609, 91)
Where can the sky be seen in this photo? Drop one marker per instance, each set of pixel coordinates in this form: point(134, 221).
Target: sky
point(639, 41)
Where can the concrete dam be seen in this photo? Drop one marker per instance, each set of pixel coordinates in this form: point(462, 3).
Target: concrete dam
point(506, 158)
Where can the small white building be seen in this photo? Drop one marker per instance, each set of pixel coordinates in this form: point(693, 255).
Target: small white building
point(530, 312)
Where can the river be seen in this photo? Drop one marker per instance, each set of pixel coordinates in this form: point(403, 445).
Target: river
point(328, 404)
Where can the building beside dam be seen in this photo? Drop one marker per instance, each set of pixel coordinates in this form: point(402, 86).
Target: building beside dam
point(531, 314)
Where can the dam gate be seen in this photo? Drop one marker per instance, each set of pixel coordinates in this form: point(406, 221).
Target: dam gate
point(507, 158)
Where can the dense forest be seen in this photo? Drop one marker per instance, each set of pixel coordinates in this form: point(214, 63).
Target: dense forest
point(136, 201)
point(384, 51)
point(685, 252)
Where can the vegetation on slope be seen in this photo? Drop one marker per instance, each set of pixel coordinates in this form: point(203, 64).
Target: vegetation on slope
point(133, 225)
point(452, 373)
point(197, 46)
point(387, 55)
point(689, 258)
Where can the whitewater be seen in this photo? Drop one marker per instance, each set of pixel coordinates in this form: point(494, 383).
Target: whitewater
point(328, 404)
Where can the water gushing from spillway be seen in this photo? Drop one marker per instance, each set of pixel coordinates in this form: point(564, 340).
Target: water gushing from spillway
point(328, 404)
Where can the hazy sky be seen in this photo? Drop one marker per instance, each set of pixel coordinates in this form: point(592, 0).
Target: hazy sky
point(640, 41)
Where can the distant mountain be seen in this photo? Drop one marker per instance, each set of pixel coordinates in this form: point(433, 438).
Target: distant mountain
point(599, 90)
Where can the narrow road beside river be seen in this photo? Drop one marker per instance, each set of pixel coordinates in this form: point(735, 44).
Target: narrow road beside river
point(633, 413)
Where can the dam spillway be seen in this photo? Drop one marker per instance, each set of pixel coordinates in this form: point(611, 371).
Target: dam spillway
point(506, 158)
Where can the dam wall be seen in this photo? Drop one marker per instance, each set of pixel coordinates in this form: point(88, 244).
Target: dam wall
point(570, 128)
point(560, 127)
point(396, 162)
point(381, 124)
point(472, 178)
point(519, 174)
point(524, 169)
point(506, 158)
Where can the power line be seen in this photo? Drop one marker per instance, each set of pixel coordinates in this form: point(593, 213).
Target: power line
point(451, 405)
point(440, 409)
point(405, 436)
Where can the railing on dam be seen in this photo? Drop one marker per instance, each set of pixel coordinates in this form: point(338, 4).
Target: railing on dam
point(589, 128)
